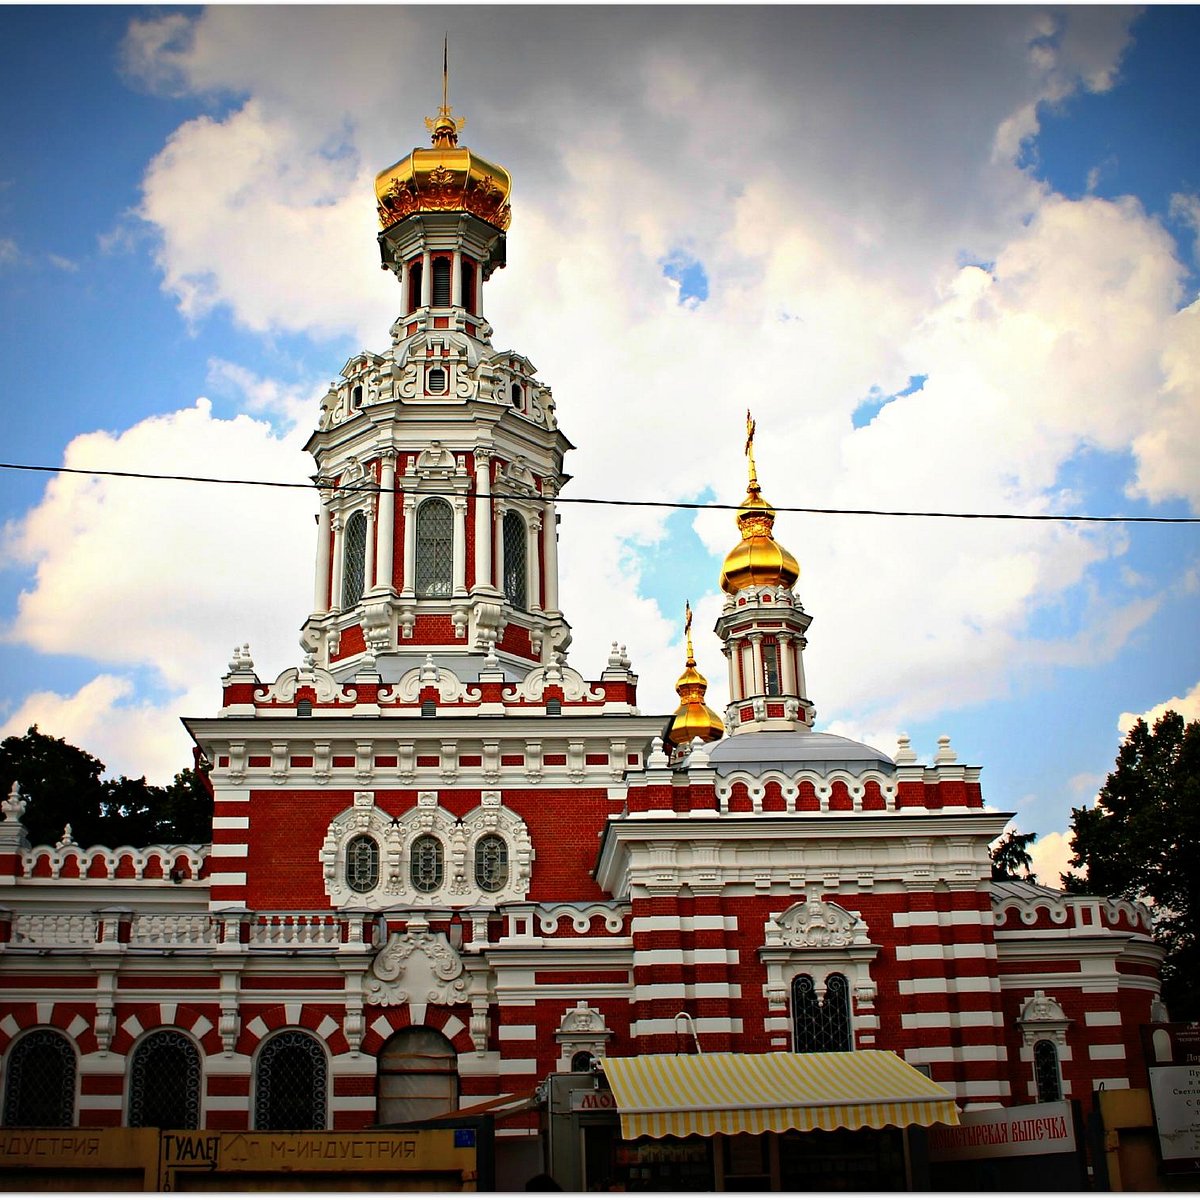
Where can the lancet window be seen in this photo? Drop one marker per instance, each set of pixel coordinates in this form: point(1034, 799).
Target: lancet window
point(290, 1083)
point(354, 559)
point(516, 544)
point(435, 548)
point(39, 1086)
point(164, 1082)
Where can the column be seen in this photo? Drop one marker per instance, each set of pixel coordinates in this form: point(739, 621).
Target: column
point(460, 545)
point(498, 525)
point(321, 583)
point(456, 279)
point(787, 664)
point(336, 600)
point(402, 276)
point(483, 519)
point(387, 521)
point(533, 563)
point(426, 279)
point(550, 557)
point(760, 686)
point(479, 290)
point(410, 545)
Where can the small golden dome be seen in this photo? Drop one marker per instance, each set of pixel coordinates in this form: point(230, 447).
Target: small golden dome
point(444, 177)
point(693, 718)
point(758, 560)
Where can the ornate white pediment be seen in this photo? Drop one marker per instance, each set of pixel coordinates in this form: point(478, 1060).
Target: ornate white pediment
point(817, 924)
point(416, 967)
point(409, 686)
point(533, 686)
point(284, 689)
point(1042, 1018)
point(582, 1028)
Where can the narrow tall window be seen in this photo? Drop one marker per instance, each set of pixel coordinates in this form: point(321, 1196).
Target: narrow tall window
point(290, 1083)
point(414, 285)
point(418, 1076)
point(467, 279)
point(770, 655)
point(1045, 1072)
point(491, 862)
point(435, 548)
point(821, 1025)
point(441, 283)
point(516, 541)
point(427, 865)
point(164, 1083)
point(39, 1085)
point(354, 559)
point(362, 863)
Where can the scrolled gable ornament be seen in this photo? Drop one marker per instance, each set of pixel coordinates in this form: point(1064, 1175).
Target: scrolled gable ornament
point(416, 966)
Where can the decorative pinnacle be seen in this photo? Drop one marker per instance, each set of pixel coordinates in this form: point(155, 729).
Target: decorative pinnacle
point(445, 126)
point(687, 630)
point(750, 451)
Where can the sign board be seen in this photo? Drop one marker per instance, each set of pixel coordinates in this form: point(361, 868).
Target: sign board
point(591, 1100)
point(1005, 1133)
point(1173, 1064)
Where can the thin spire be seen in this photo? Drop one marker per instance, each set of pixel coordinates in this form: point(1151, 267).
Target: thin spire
point(445, 126)
point(446, 73)
point(687, 630)
point(750, 451)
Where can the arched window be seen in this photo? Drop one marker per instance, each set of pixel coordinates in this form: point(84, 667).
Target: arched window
point(427, 863)
point(164, 1082)
point(441, 283)
point(435, 548)
point(491, 862)
point(290, 1082)
point(418, 1076)
point(582, 1060)
point(516, 541)
point(1045, 1072)
point(354, 559)
point(516, 395)
point(39, 1086)
point(362, 863)
point(770, 656)
point(821, 1025)
point(414, 284)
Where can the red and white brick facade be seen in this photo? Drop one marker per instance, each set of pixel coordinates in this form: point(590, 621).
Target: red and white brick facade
point(636, 887)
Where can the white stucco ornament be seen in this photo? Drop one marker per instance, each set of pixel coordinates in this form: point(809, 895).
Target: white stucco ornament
point(417, 967)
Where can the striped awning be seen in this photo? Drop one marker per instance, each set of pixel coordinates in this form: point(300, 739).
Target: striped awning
point(660, 1095)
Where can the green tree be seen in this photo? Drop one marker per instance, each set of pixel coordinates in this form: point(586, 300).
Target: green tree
point(1011, 858)
point(1141, 841)
point(64, 786)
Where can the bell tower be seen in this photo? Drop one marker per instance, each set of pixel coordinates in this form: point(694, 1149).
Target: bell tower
point(762, 623)
point(439, 460)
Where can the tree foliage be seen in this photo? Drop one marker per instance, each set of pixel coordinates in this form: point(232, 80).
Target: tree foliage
point(1011, 858)
point(64, 786)
point(1141, 841)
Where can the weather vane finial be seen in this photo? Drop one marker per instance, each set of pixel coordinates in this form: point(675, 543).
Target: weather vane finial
point(750, 451)
point(445, 126)
point(687, 630)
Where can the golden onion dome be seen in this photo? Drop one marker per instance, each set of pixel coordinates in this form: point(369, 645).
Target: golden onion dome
point(444, 177)
point(693, 718)
point(758, 560)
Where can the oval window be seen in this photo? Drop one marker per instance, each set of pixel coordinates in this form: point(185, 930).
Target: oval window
point(362, 863)
point(491, 863)
point(427, 864)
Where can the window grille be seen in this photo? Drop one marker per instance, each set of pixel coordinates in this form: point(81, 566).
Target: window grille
point(1045, 1072)
point(491, 862)
point(436, 380)
point(164, 1083)
point(39, 1088)
point(441, 283)
point(290, 1082)
point(516, 542)
point(362, 863)
point(354, 559)
point(435, 548)
point(427, 863)
point(304, 708)
point(418, 1076)
point(554, 707)
point(821, 1025)
point(770, 656)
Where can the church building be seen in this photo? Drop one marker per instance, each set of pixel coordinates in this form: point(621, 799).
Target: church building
point(448, 862)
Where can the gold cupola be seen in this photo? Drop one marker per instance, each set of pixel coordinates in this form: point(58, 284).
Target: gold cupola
point(444, 177)
point(758, 560)
point(693, 718)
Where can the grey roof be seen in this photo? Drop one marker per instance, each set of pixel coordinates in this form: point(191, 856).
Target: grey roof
point(1020, 889)
point(789, 751)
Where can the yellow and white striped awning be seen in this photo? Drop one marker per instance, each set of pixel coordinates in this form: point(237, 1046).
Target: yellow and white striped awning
point(660, 1095)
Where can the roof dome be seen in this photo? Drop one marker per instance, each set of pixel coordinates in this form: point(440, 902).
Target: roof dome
point(444, 177)
point(799, 750)
point(693, 718)
point(758, 560)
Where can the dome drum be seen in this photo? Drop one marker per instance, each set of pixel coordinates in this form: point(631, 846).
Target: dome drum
point(418, 234)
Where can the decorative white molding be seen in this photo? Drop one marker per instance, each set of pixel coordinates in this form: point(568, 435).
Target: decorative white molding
point(408, 687)
point(582, 1028)
point(581, 917)
point(533, 687)
point(1042, 1019)
point(822, 783)
point(283, 690)
point(416, 967)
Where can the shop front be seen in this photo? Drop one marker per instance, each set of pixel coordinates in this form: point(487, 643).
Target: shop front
point(741, 1122)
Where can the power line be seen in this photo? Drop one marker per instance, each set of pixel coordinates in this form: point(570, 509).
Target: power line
point(693, 505)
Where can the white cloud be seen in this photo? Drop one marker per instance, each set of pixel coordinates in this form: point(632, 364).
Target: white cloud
point(1188, 707)
point(9, 252)
point(1051, 855)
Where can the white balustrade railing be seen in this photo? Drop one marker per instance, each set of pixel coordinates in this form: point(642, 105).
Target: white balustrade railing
point(54, 929)
point(148, 930)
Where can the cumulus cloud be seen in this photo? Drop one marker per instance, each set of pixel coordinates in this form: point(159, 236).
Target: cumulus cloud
point(1051, 855)
point(837, 235)
point(1188, 707)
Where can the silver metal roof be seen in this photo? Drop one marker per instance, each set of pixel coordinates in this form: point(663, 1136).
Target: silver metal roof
point(786, 751)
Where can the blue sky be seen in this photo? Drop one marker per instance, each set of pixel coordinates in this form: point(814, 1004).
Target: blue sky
point(942, 278)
